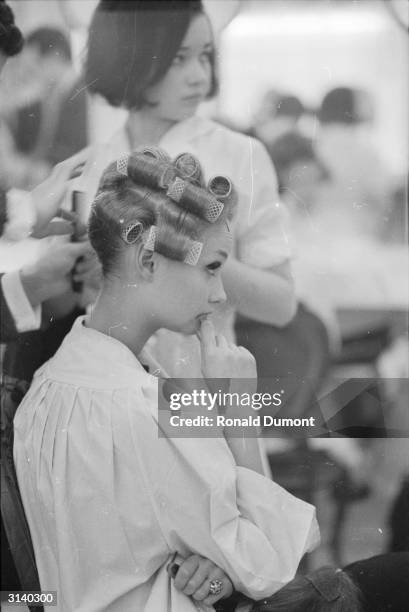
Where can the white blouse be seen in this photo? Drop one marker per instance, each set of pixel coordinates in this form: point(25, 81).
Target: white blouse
point(259, 237)
point(108, 501)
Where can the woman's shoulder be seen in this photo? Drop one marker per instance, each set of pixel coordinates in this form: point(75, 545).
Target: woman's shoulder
point(227, 134)
point(90, 359)
point(224, 150)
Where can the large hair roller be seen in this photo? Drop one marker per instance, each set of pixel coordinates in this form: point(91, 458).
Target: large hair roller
point(122, 164)
point(147, 170)
point(195, 200)
point(221, 187)
point(188, 167)
point(151, 167)
point(155, 152)
point(131, 232)
point(192, 256)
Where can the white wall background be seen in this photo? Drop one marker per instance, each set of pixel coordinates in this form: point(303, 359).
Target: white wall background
point(308, 48)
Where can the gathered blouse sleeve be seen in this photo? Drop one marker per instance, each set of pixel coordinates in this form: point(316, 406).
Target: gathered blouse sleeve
point(262, 240)
point(205, 504)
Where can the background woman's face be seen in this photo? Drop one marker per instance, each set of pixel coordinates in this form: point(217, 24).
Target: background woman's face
point(178, 94)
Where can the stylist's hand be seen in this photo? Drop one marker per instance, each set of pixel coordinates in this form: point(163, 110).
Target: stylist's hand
point(50, 275)
point(48, 196)
point(88, 271)
point(194, 577)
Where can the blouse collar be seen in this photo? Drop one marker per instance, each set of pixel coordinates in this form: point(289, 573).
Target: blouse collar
point(181, 132)
point(93, 358)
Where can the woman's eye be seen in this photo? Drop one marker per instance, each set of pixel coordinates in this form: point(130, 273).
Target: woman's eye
point(178, 59)
point(205, 56)
point(213, 267)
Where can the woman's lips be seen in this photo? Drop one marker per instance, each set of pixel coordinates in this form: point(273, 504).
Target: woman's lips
point(193, 99)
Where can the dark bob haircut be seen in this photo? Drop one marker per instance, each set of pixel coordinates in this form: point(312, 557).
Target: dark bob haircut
point(290, 148)
point(132, 44)
point(11, 39)
point(344, 105)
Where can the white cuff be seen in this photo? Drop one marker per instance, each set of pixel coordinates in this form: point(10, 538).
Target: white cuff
point(21, 215)
point(26, 318)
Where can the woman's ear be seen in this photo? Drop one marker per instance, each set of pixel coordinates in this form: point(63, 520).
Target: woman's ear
point(147, 263)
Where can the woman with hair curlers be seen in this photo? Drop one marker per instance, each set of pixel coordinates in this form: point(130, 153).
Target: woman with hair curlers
point(109, 502)
point(157, 60)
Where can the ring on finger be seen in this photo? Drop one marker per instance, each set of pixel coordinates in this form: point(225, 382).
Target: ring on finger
point(215, 587)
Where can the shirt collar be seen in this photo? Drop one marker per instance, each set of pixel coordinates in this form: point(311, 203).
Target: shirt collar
point(90, 358)
point(182, 132)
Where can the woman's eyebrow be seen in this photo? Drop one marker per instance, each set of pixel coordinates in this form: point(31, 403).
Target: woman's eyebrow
point(206, 46)
point(224, 254)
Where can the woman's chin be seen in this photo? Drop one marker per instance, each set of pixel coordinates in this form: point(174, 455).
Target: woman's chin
point(187, 112)
point(190, 328)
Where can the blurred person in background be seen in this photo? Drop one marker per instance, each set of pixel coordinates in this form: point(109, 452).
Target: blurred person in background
point(49, 123)
point(279, 113)
point(356, 218)
point(11, 39)
point(355, 200)
point(24, 214)
point(22, 295)
point(36, 303)
point(11, 43)
point(395, 230)
point(301, 172)
point(376, 584)
point(157, 59)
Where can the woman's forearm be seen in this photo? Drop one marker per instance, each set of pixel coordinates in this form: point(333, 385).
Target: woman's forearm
point(262, 295)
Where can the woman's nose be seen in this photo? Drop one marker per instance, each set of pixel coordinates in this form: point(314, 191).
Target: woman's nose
point(218, 295)
point(198, 72)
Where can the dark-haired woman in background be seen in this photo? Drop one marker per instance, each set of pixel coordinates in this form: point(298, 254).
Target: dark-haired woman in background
point(357, 198)
point(108, 501)
point(157, 59)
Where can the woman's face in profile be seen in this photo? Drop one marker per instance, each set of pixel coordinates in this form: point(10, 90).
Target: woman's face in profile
point(187, 82)
point(185, 293)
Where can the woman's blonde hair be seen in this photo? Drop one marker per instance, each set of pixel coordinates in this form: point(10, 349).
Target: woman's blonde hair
point(147, 190)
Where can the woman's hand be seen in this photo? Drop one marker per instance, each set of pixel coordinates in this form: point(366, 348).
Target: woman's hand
point(88, 271)
point(195, 577)
point(221, 359)
point(50, 275)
